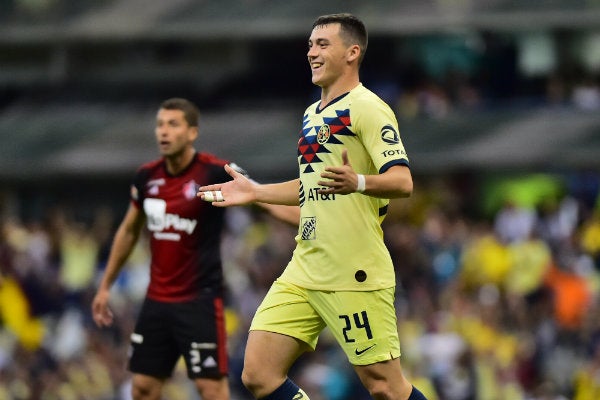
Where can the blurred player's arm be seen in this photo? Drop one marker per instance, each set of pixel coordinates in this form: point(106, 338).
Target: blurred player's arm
point(124, 241)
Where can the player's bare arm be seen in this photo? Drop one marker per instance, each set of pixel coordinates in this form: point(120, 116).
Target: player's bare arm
point(125, 239)
point(243, 191)
point(284, 193)
point(394, 183)
point(288, 214)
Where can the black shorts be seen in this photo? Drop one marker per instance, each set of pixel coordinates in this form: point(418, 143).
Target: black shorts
point(194, 330)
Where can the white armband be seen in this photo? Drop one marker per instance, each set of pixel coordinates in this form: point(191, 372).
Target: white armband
point(361, 185)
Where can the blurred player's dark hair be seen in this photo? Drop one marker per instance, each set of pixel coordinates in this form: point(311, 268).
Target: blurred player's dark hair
point(190, 111)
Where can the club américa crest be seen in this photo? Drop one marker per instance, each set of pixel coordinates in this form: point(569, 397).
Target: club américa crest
point(323, 134)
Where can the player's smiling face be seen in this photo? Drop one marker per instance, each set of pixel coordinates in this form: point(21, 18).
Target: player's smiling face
point(173, 133)
point(327, 54)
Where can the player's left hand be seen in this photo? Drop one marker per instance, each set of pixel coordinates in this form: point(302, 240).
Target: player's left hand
point(238, 191)
point(339, 180)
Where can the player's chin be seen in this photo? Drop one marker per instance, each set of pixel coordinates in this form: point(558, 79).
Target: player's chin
point(317, 78)
point(164, 148)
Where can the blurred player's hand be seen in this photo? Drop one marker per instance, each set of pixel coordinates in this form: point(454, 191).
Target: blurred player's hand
point(101, 313)
point(239, 191)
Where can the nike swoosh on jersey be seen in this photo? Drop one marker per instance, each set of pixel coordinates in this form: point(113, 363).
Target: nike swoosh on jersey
point(359, 352)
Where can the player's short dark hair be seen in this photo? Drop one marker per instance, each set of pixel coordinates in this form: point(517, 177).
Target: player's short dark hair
point(352, 29)
point(190, 110)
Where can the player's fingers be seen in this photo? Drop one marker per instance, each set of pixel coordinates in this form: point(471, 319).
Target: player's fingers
point(108, 316)
point(328, 185)
point(97, 308)
point(231, 171)
point(332, 182)
point(331, 175)
point(102, 316)
point(345, 159)
point(207, 188)
point(212, 196)
point(221, 203)
point(333, 171)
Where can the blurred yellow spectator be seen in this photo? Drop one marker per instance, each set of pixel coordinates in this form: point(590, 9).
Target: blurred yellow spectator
point(530, 261)
point(485, 260)
point(16, 315)
point(590, 235)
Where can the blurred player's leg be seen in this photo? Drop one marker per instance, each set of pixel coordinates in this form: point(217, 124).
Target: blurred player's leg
point(212, 389)
point(146, 387)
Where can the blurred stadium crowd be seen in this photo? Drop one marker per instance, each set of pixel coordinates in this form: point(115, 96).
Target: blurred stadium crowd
point(497, 253)
point(499, 307)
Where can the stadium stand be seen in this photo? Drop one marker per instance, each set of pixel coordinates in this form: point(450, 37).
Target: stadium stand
point(60, 58)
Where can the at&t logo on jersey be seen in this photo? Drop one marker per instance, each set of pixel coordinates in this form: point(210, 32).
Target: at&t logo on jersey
point(159, 220)
point(315, 195)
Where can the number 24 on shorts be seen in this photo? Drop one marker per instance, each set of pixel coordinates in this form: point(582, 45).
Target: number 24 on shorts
point(361, 321)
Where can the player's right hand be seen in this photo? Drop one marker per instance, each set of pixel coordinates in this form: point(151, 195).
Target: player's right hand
point(101, 313)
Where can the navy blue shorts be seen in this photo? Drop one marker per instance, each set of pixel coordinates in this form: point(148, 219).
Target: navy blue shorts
point(166, 331)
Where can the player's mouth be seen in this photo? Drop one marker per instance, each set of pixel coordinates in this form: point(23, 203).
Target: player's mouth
point(315, 65)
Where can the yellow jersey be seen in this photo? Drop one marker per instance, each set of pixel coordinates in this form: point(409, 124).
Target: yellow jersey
point(340, 240)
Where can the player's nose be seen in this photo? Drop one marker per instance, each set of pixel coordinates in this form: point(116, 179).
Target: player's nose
point(162, 131)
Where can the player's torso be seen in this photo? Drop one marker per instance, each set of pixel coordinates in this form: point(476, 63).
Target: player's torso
point(184, 231)
point(340, 237)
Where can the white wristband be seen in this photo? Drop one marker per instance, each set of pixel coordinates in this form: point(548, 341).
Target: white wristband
point(361, 185)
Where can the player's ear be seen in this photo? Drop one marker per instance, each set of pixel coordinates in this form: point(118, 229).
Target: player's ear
point(353, 53)
point(193, 133)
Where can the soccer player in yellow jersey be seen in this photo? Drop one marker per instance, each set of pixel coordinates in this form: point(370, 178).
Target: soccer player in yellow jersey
point(351, 162)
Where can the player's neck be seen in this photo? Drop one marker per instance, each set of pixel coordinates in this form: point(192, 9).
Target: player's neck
point(178, 162)
point(337, 89)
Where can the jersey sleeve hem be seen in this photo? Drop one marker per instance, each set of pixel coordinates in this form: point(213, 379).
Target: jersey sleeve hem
point(389, 164)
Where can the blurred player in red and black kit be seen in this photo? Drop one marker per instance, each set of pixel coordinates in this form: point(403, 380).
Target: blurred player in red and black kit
point(182, 314)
